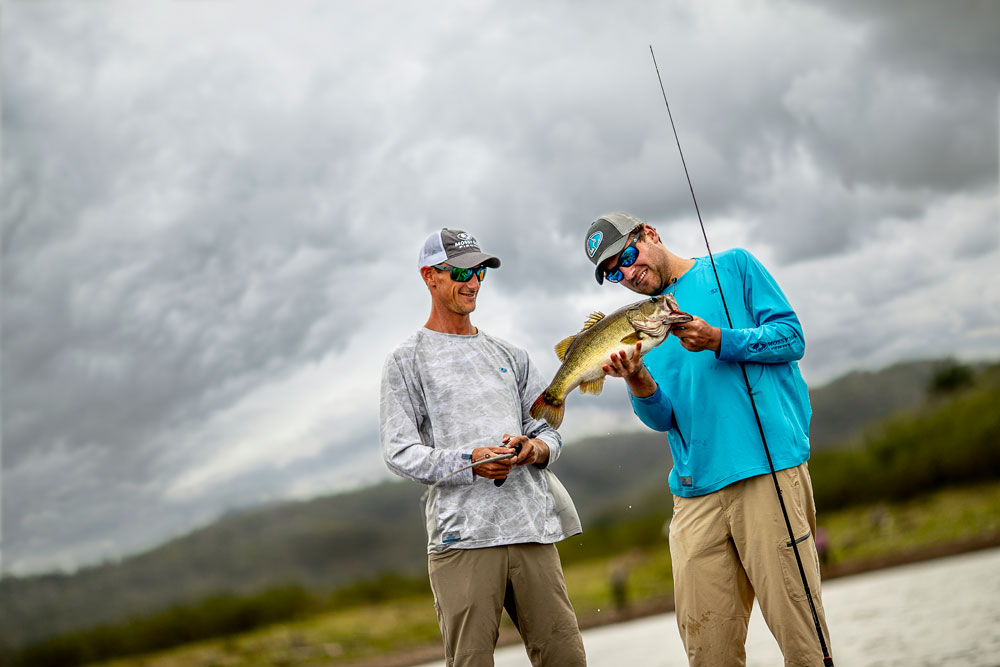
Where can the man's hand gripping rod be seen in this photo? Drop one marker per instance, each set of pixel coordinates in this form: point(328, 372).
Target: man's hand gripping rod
point(498, 457)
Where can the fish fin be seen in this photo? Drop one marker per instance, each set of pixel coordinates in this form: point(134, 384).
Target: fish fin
point(594, 318)
point(563, 345)
point(549, 408)
point(631, 339)
point(592, 387)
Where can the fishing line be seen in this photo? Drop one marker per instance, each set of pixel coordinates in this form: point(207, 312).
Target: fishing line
point(827, 660)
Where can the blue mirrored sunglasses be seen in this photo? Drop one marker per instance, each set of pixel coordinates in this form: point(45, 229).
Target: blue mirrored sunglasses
point(626, 259)
point(463, 275)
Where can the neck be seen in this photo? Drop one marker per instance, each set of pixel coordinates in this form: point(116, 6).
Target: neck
point(677, 267)
point(450, 323)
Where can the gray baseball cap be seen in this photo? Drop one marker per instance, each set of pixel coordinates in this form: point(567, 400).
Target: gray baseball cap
point(607, 237)
point(455, 247)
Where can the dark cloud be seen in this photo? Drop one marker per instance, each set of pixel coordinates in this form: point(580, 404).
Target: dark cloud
point(959, 38)
point(210, 230)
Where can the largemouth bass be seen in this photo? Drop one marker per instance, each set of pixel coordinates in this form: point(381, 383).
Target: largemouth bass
point(584, 353)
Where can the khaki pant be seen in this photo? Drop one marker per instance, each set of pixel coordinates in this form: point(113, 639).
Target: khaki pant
point(472, 586)
point(733, 544)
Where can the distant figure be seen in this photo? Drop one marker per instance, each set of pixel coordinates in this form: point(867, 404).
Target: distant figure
point(452, 396)
point(823, 545)
point(728, 540)
point(619, 585)
point(881, 519)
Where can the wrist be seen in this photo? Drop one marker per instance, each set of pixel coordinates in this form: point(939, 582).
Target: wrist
point(641, 384)
point(541, 452)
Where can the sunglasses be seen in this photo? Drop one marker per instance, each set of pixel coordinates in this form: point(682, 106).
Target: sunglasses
point(463, 275)
point(626, 259)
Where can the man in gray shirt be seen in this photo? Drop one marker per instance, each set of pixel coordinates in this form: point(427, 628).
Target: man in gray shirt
point(453, 397)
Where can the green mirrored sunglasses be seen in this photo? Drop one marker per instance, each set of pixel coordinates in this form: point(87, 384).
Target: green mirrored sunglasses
point(463, 275)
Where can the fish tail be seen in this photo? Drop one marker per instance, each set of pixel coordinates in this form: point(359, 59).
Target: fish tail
point(550, 407)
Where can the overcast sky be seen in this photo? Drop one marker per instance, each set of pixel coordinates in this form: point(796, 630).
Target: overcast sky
point(212, 210)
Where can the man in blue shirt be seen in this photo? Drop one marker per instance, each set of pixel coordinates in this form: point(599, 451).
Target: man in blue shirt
point(728, 539)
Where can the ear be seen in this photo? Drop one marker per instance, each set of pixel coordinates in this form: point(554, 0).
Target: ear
point(428, 274)
point(650, 234)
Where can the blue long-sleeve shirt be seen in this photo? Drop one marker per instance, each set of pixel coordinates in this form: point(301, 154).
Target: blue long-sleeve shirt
point(701, 399)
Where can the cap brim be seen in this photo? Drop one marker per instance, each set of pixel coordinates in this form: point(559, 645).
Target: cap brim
point(611, 251)
point(471, 260)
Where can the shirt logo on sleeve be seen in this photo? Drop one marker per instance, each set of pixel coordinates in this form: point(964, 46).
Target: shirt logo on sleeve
point(761, 345)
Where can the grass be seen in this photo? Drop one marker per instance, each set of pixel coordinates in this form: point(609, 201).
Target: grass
point(367, 632)
point(942, 517)
point(349, 635)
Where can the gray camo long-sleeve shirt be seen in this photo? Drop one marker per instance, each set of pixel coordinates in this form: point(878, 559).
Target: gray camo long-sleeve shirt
point(444, 395)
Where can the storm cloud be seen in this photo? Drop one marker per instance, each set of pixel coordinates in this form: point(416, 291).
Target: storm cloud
point(211, 214)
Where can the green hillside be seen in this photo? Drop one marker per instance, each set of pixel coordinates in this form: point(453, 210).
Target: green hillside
point(320, 544)
point(617, 482)
point(843, 408)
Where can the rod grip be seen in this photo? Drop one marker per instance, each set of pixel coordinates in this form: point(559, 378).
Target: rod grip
point(517, 450)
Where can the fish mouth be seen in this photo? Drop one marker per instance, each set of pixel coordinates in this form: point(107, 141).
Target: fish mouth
point(674, 317)
point(670, 312)
point(667, 303)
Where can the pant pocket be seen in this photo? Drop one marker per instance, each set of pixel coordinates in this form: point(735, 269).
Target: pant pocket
point(790, 567)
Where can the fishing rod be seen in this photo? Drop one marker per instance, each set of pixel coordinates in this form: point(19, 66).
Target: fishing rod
point(827, 660)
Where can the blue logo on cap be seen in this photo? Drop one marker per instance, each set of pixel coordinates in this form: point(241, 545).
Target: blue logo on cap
point(593, 242)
